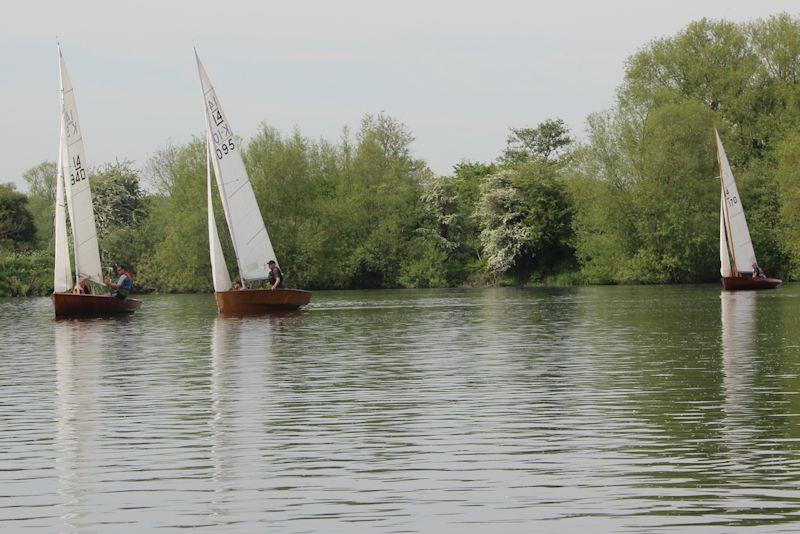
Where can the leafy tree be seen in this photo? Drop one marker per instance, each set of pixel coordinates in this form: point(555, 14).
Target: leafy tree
point(676, 197)
point(646, 186)
point(787, 176)
point(546, 142)
point(41, 181)
point(17, 229)
point(525, 217)
point(178, 259)
point(120, 210)
point(117, 197)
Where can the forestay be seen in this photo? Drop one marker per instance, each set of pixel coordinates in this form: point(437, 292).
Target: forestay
point(250, 239)
point(219, 271)
point(76, 184)
point(741, 246)
point(62, 272)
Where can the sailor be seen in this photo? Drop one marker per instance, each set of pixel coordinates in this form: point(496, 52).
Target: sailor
point(123, 285)
point(275, 276)
point(82, 288)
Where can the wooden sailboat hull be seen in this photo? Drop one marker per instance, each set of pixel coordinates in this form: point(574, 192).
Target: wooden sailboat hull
point(732, 283)
point(70, 305)
point(254, 301)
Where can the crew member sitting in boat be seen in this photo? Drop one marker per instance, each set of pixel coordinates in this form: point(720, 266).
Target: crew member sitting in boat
point(758, 272)
point(82, 288)
point(275, 276)
point(123, 285)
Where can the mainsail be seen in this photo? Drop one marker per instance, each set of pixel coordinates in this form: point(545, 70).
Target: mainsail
point(62, 272)
point(741, 247)
point(79, 195)
point(219, 271)
point(249, 235)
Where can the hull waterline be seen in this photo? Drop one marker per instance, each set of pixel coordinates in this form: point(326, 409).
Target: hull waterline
point(255, 301)
point(71, 305)
point(734, 283)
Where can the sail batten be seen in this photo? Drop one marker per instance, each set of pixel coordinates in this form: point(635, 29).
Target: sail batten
point(251, 241)
point(732, 214)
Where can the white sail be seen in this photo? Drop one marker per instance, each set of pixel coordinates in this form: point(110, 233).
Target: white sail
point(724, 257)
point(76, 183)
point(741, 246)
point(250, 239)
point(219, 271)
point(62, 272)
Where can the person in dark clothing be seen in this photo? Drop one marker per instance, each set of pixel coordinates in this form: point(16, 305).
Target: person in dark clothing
point(758, 272)
point(122, 287)
point(275, 276)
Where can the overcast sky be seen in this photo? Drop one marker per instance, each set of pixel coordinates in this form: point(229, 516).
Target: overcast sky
point(458, 73)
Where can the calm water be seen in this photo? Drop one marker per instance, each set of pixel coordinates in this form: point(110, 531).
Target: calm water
point(591, 409)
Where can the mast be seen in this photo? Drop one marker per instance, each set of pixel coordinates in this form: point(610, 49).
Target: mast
point(62, 269)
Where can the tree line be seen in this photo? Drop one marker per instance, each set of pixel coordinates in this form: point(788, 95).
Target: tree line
point(636, 201)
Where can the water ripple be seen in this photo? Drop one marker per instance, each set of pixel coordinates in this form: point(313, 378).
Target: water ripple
point(588, 409)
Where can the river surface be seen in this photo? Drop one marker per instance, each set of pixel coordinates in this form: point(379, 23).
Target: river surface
point(599, 409)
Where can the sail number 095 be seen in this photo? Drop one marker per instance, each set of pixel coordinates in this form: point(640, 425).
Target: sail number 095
point(225, 148)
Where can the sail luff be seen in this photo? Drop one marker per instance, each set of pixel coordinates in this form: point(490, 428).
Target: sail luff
point(76, 185)
point(62, 271)
point(741, 245)
point(219, 270)
point(249, 234)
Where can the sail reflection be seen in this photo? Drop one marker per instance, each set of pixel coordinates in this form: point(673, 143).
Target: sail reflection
point(222, 355)
point(241, 350)
point(739, 365)
point(76, 433)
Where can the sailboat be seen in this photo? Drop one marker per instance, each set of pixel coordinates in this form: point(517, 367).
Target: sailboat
point(251, 241)
point(72, 183)
point(736, 253)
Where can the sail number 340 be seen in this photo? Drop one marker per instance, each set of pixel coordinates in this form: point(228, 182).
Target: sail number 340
point(78, 173)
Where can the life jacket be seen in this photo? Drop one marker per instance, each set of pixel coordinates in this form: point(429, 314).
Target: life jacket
point(127, 285)
point(271, 276)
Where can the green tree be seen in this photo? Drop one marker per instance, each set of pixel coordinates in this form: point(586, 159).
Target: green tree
point(120, 210)
point(546, 142)
point(17, 229)
point(41, 181)
point(525, 217)
point(178, 259)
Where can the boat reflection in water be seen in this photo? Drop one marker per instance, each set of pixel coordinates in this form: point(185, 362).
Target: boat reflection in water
point(223, 440)
point(77, 374)
point(243, 395)
point(739, 361)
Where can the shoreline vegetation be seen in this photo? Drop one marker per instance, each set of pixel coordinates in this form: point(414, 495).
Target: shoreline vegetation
point(636, 202)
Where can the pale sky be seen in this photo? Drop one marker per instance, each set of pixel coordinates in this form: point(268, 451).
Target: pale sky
point(457, 73)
